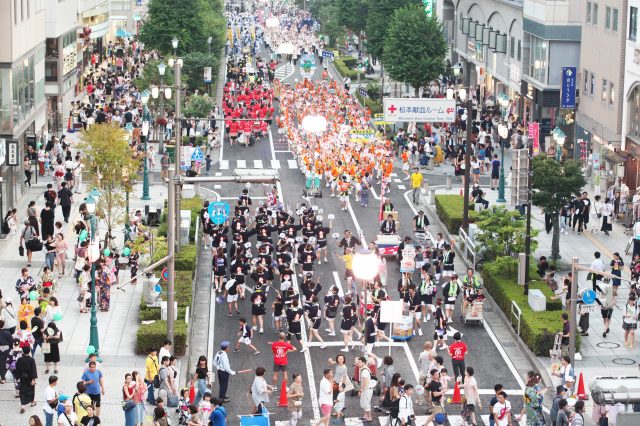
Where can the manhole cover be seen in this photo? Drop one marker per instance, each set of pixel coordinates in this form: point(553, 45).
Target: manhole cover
point(623, 361)
point(509, 344)
point(608, 345)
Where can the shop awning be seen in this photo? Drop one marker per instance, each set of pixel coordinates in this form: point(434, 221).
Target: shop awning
point(614, 157)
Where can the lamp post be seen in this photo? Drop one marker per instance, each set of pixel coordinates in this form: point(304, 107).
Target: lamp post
point(174, 43)
point(177, 69)
point(94, 254)
point(209, 40)
point(503, 133)
point(145, 134)
point(527, 241)
point(161, 70)
point(314, 124)
point(365, 268)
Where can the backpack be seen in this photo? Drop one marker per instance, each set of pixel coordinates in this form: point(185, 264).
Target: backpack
point(5, 227)
point(394, 408)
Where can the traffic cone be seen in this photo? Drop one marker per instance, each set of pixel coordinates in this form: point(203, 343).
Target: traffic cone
point(582, 394)
point(457, 399)
point(284, 399)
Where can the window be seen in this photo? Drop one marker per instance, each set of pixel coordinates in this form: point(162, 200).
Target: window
point(592, 84)
point(588, 12)
point(594, 16)
point(614, 20)
point(512, 47)
point(586, 81)
point(519, 50)
point(633, 126)
point(605, 90)
point(607, 18)
point(538, 59)
point(633, 23)
point(612, 94)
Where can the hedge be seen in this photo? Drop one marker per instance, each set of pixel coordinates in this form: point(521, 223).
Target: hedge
point(195, 205)
point(450, 208)
point(152, 336)
point(375, 107)
point(344, 70)
point(537, 329)
point(183, 286)
point(185, 258)
point(349, 61)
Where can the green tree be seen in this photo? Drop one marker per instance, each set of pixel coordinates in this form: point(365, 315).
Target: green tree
point(503, 232)
point(553, 185)
point(198, 106)
point(191, 22)
point(353, 14)
point(193, 69)
point(378, 20)
point(111, 167)
point(151, 77)
point(415, 48)
point(327, 15)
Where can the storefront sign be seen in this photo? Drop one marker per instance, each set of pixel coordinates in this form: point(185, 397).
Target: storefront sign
point(12, 157)
point(378, 120)
point(534, 136)
point(420, 110)
point(568, 99)
point(207, 75)
point(69, 59)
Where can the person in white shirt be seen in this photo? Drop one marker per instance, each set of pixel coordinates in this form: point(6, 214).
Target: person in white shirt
point(68, 418)
point(597, 264)
point(406, 414)
point(50, 398)
point(165, 350)
point(325, 397)
point(502, 410)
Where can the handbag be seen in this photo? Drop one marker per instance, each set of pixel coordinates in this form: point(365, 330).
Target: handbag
point(21, 250)
point(172, 401)
point(34, 244)
point(128, 405)
point(80, 297)
point(46, 348)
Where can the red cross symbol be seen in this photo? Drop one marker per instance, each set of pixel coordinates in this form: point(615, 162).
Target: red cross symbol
point(393, 109)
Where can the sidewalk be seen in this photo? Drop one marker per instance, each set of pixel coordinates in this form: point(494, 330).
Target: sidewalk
point(117, 328)
point(600, 356)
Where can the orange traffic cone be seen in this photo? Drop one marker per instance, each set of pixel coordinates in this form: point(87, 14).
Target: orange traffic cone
point(582, 394)
point(192, 394)
point(457, 399)
point(284, 399)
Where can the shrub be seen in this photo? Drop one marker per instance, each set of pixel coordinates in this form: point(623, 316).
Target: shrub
point(349, 61)
point(450, 208)
point(152, 336)
point(344, 70)
point(537, 329)
point(375, 107)
point(183, 286)
point(185, 258)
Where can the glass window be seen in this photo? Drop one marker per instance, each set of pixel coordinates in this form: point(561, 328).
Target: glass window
point(592, 84)
point(614, 20)
point(519, 50)
point(634, 114)
point(605, 90)
point(633, 23)
point(594, 16)
point(586, 81)
point(607, 18)
point(538, 59)
point(612, 94)
point(51, 70)
point(6, 125)
point(512, 47)
point(588, 12)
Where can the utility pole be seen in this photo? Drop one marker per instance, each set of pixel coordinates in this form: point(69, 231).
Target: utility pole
point(178, 129)
point(573, 310)
point(467, 165)
point(527, 241)
point(171, 245)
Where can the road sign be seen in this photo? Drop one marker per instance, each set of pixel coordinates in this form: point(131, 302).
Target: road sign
point(327, 54)
point(197, 154)
point(185, 157)
point(218, 212)
point(362, 91)
point(588, 297)
point(207, 75)
point(420, 110)
point(165, 274)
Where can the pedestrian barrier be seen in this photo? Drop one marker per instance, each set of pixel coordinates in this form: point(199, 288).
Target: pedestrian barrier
point(469, 247)
point(517, 313)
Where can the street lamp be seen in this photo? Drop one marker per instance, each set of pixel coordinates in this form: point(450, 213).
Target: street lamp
point(94, 254)
point(503, 132)
point(314, 124)
point(145, 134)
point(154, 93)
point(209, 40)
point(174, 43)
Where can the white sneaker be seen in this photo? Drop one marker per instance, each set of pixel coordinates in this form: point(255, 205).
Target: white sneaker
point(303, 350)
point(332, 334)
point(344, 349)
point(254, 328)
point(325, 259)
point(419, 332)
point(319, 262)
point(261, 330)
point(328, 330)
point(324, 345)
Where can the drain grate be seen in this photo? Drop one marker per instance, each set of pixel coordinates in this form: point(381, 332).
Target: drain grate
point(508, 344)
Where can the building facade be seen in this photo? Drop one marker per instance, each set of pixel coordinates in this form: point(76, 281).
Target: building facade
point(602, 71)
point(631, 98)
point(488, 43)
point(551, 41)
point(22, 91)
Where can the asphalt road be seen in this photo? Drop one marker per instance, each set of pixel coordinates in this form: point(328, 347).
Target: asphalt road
point(490, 366)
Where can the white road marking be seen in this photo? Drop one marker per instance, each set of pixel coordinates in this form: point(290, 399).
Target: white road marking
point(393, 174)
point(397, 180)
point(222, 128)
point(506, 359)
point(412, 362)
point(218, 173)
point(280, 152)
point(402, 187)
point(293, 164)
point(336, 278)
point(355, 221)
point(273, 152)
point(241, 164)
point(218, 198)
point(275, 164)
point(235, 198)
point(257, 164)
point(374, 193)
point(217, 186)
point(224, 164)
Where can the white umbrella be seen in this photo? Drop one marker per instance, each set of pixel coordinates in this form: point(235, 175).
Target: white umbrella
point(286, 49)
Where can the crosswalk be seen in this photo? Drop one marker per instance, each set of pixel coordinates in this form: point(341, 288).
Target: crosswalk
point(256, 164)
point(453, 420)
point(284, 71)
